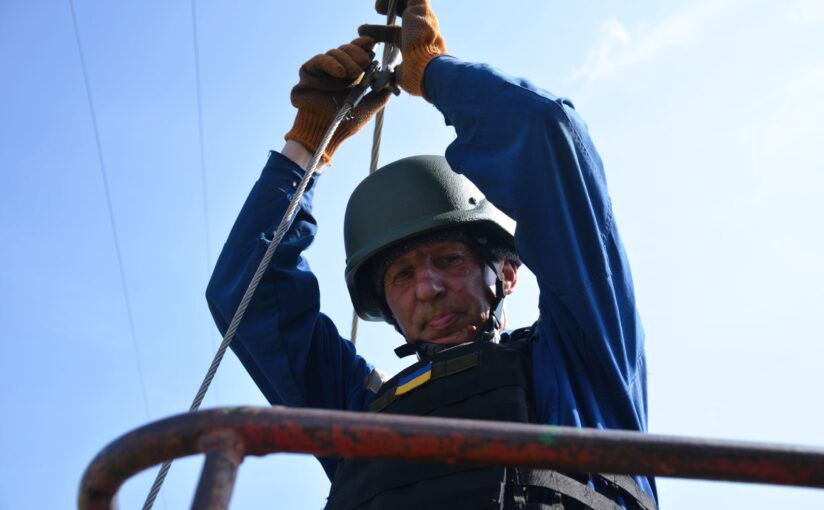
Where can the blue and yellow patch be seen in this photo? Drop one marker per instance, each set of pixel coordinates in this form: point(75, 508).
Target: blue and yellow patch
point(415, 379)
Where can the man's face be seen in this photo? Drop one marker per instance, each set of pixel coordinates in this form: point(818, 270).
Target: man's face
point(438, 293)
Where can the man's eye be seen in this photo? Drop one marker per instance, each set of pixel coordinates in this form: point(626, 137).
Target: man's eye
point(451, 260)
point(402, 275)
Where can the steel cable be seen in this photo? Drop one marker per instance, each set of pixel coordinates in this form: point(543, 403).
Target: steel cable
point(376, 138)
point(285, 223)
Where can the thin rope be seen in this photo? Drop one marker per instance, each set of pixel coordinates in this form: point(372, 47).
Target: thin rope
point(203, 186)
point(376, 134)
point(376, 140)
point(110, 209)
point(285, 223)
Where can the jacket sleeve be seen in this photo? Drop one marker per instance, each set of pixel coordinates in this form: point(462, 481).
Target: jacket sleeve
point(292, 351)
point(532, 156)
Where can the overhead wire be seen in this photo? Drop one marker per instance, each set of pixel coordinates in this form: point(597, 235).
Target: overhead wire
point(201, 148)
point(110, 210)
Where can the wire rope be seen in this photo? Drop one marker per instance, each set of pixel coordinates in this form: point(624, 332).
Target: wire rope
point(376, 139)
point(285, 223)
point(354, 98)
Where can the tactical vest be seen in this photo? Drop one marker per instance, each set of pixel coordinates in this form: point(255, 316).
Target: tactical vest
point(477, 380)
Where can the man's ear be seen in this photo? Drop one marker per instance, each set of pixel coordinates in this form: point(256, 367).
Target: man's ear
point(509, 276)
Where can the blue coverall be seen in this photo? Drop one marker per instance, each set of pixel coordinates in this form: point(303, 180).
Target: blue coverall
point(531, 155)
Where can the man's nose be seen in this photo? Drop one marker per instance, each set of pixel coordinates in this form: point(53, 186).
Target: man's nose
point(428, 285)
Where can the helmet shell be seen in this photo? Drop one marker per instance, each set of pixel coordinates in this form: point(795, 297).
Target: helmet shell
point(400, 201)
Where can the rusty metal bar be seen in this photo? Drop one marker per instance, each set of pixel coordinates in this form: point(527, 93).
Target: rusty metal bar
point(351, 434)
point(224, 453)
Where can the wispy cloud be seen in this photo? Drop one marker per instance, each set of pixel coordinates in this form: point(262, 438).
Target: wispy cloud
point(804, 11)
point(620, 48)
point(783, 141)
point(795, 115)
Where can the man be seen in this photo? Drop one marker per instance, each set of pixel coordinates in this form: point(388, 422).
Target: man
point(429, 253)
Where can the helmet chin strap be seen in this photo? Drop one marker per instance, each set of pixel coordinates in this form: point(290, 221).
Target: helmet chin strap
point(487, 332)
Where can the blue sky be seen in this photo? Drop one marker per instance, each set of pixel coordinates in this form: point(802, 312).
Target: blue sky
point(706, 113)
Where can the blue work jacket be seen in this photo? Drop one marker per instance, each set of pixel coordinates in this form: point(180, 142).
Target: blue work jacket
point(531, 155)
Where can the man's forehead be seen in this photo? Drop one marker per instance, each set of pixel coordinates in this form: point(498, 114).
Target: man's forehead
point(431, 247)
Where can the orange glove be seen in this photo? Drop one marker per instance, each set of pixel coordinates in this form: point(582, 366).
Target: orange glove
point(325, 81)
point(418, 38)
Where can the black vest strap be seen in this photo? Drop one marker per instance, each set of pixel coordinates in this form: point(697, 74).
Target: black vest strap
point(566, 486)
point(628, 486)
point(400, 485)
point(478, 380)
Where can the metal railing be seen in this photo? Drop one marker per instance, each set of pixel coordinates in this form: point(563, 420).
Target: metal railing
point(226, 435)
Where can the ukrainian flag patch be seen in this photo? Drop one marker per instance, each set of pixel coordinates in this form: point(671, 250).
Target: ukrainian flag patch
point(417, 378)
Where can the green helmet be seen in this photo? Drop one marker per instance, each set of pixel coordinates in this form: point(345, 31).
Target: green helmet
point(403, 200)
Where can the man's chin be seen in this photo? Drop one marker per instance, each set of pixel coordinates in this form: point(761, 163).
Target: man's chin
point(455, 338)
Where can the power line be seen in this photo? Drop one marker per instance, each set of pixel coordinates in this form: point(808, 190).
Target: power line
point(203, 186)
point(200, 132)
point(110, 210)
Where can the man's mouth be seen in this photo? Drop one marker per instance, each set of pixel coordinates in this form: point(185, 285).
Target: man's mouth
point(442, 321)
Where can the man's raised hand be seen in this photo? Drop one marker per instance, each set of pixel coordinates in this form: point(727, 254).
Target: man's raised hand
point(418, 38)
point(325, 81)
